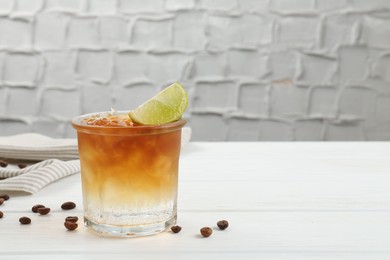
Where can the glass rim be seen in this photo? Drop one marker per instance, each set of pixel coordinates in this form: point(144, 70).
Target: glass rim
point(76, 123)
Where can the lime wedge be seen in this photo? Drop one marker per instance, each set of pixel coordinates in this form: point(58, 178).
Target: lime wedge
point(165, 107)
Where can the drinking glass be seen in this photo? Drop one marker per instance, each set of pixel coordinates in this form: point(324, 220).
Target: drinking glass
point(129, 176)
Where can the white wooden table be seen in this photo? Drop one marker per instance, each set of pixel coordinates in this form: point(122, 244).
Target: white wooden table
point(283, 201)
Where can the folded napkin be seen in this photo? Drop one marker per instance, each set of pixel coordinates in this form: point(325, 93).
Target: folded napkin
point(53, 159)
point(36, 147)
point(185, 136)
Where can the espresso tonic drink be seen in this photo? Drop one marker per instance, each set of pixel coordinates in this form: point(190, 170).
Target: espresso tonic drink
point(129, 173)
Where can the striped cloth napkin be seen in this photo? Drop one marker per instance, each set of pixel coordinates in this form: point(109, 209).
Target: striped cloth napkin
point(36, 176)
point(49, 160)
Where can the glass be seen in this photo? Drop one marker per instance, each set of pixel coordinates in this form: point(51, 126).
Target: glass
point(129, 176)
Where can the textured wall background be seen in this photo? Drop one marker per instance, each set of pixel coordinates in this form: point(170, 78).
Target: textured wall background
point(255, 69)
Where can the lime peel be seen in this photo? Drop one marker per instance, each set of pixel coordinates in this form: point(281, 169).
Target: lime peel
point(165, 107)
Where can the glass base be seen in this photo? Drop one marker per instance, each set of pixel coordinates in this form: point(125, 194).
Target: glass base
point(129, 231)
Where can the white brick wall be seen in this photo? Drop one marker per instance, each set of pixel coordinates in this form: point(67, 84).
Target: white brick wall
point(267, 70)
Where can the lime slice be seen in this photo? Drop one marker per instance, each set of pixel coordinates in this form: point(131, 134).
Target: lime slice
point(165, 107)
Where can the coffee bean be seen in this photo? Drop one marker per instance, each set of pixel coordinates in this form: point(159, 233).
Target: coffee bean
point(1, 214)
point(3, 163)
point(73, 219)
point(223, 224)
point(4, 196)
point(43, 211)
point(36, 207)
point(68, 205)
point(25, 220)
point(22, 165)
point(206, 231)
point(2, 201)
point(176, 229)
point(70, 225)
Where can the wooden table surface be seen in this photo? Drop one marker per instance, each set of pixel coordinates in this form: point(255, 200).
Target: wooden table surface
point(282, 200)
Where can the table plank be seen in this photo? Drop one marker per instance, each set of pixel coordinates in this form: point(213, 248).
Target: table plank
point(248, 196)
point(210, 255)
point(258, 232)
point(283, 161)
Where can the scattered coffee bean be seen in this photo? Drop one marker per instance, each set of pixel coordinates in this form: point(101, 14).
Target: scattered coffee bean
point(25, 220)
point(22, 165)
point(2, 201)
point(1, 214)
point(43, 211)
point(206, 231)
point(4, 196)
point(68, 205)
point(3, 163)
point(176, 229)
point(73, 219)
point(70, 225)
point(223, 224)
point(36, 207)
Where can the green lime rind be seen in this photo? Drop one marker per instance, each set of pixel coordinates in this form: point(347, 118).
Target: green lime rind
point(165, 107)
